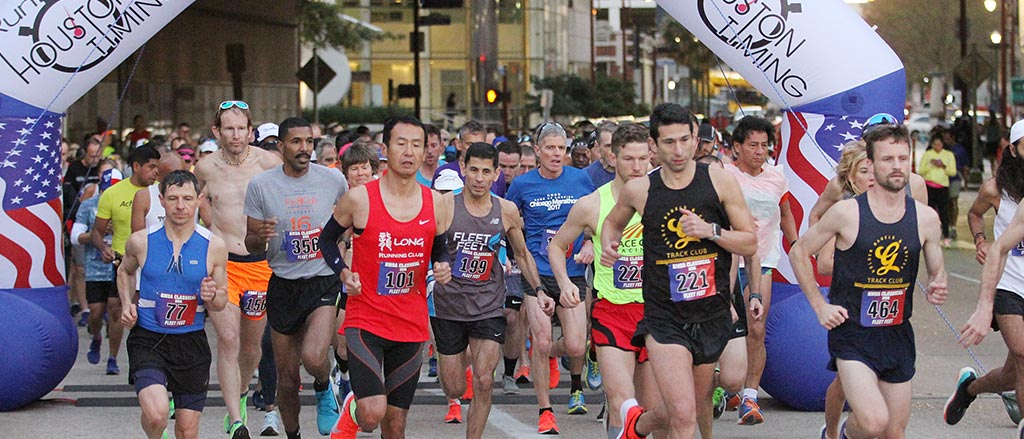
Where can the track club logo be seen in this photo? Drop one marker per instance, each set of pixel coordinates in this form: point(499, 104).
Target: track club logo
point(61, 34)
point(889, 256)
point(672, 229)
point(760, 29)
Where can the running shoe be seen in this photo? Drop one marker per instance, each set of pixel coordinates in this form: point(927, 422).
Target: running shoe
point(454, 415)
point(630, 414)
point(238, 430)
point(468, 394)
point(555, 373)
point(732, 402)
point(75, 308)
point(344, 385)
point(593, 373)
point(171, 413)
point(112, 368)
point(564, 360)
point(271, 424)
point(750, 413)
point(346, 428)
point(83, 321)
point(326, 411)
point(718, 402)
point(547, 423)
point(600, 415)
point(243, 404)
point(577, 405)
point(258, 401)
point(523, 375)
point(432, 369)
point(94, 351)
point(509, 386)
point(956, 405)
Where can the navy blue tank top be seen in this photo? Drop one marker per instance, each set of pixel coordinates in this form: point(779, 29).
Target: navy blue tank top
point(874, 279)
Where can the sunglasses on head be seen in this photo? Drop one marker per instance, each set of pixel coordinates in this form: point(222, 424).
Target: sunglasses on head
point(878, 120)
point(228, 104)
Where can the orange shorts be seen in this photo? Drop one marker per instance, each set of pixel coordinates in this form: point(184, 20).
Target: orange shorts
point(247, 287)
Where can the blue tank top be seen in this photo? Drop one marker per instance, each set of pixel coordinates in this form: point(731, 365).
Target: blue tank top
point(876, 284)
point(169, 300)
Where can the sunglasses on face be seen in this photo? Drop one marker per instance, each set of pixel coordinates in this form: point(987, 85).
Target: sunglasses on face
point(228, 104)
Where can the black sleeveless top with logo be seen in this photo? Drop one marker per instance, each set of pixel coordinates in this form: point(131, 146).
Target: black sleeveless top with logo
point(686, 279)
point(874, 278)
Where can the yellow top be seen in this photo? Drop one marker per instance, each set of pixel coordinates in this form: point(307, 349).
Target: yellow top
point(933, 173)
point(116, 205)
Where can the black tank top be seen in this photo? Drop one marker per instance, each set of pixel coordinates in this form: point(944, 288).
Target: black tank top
point(874, 279)
point(685, 278)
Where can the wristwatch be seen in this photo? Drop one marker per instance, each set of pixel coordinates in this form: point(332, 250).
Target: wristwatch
point(716, 232)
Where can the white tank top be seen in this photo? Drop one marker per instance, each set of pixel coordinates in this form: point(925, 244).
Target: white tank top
point(1013, 276)
point(156, 213)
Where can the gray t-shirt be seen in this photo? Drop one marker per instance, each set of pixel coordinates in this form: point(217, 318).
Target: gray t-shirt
point(302, 206)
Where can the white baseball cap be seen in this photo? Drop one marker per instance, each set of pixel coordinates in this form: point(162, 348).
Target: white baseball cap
point(1016, 131)
point(448, 180)
point(264, 131)
point(208, 146)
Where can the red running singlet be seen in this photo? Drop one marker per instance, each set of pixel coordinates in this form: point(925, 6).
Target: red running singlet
point(392, 258)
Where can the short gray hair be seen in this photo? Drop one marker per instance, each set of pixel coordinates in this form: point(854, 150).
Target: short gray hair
point(550, 129)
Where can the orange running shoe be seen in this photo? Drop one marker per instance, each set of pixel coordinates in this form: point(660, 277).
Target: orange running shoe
point(630, 413)
point(547, 424)
point(468, 394)
point(555, 373)
point(522, 375)
point(454, 415)
point(346, 427)
point(732, 402)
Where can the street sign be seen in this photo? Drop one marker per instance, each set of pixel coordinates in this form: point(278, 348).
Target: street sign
point(324, 73)
point(1017, 91)
point(973, 69)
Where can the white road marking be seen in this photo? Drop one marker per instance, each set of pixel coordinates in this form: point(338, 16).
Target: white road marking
point(498, 418)
point(966, 278)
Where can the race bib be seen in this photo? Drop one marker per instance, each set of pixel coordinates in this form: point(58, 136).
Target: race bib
point(301, 245)
point(396, 278)
point(880, 308)
point(254, 303)
point(692, 280)
point(473, 265)
point(175, 310)
point(627, 271)
point(548, 235)
point(515, 270)
point(1017, 250)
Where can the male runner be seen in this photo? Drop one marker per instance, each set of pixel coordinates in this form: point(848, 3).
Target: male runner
point(223, 177)
point(527, 159)
point(878, 237)
point(115, 210)
point(468, 310)
point(694, 220)
point(619, 304)
point(470, 132)
point(431, 154)
point(602, 170)
point(286, 209)
point(146, 208)
point(386, 320)
point(182, 274)
point(508, 160)
point(545, 196)
point(764, 189)
point(1001, 301)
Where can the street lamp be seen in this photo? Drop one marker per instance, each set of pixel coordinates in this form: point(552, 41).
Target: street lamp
point(996, 37)
point(990, 5)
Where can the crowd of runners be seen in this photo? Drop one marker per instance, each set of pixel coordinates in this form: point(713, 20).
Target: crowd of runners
point(637, 257)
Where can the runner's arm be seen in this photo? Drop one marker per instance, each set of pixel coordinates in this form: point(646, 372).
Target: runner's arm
point(831, 195)
point(140, 208)
point(788, 222)
point(814, 239)
point(580, 218)
point(740, 239)
point(928, 222)
point(988, 198)
point(126, 270)
point(618, 218)
point(218, 257)
point(514, 222)
point(979, 324)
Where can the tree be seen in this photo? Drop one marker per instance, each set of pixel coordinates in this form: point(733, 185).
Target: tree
point(924, 33)
point(575, 96)
point(321, 25)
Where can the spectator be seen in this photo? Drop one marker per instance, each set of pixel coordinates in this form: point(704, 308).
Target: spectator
point(937, 166)
point(958, 181)
point(139, 132)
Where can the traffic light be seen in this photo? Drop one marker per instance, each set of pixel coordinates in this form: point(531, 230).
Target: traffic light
point(493, 96)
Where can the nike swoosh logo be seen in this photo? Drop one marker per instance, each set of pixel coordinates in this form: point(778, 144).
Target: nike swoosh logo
point(422, 222)
point(497, 335)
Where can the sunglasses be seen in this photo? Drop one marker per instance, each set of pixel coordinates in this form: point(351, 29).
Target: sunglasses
point(879, 120)
point(228, 104)
point(543, 126)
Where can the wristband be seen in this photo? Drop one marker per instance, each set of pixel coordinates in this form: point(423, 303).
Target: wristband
point(533, 291)
point(756, 296)
point(979, 234)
